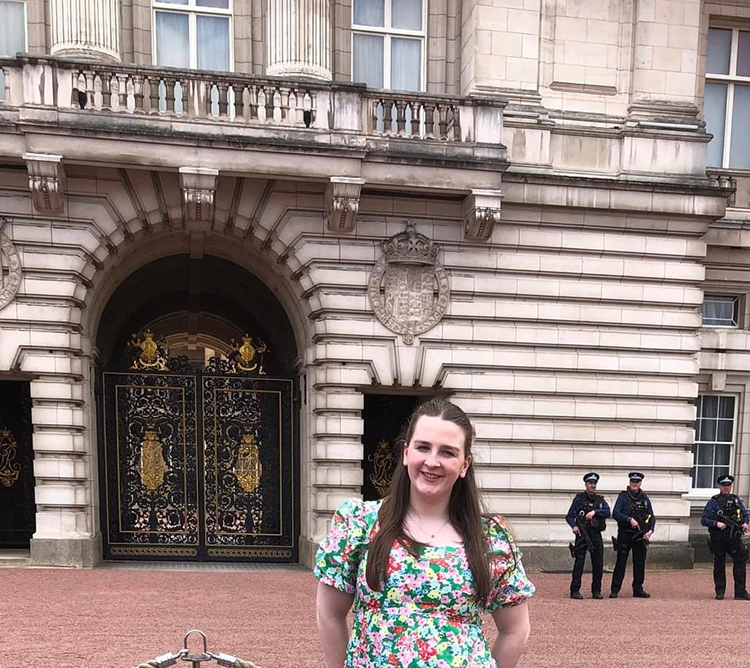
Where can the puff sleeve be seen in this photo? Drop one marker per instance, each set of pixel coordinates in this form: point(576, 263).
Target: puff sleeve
point(510, 586)
point(340, 553)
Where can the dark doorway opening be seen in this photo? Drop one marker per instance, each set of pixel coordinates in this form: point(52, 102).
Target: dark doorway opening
point(385, 417)
point(17, 509)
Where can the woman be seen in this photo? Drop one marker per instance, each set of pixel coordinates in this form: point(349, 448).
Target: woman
point(421, 565)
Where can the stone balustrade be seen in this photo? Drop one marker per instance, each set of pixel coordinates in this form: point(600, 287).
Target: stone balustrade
point(239, 99)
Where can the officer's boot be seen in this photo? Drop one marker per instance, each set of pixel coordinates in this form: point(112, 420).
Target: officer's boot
point(719, 595)
point(641, 593)
point(742, 597)
point(577, 595)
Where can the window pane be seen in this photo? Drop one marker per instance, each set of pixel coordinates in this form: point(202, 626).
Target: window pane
point(743, 54)
point(406, 64)
point(710, 406)
point(719, 48)
point(174, 2)
point(219, 4)
point(172, 39)
point(719, 471)
point(705, 454)
point(724, 432)
point(704, 477)
point(715, 112)
point(722, 455)
point(739, 152)
point(406, 14)
point(368, 59)
point(213, 42)
point(369, 13)
point(726, 407)
point(720, 310)
point(12, 28)
point(708, 430)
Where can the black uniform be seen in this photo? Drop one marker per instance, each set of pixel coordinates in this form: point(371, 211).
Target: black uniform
point(727, 541)
point(636, 506)
point(582, 504)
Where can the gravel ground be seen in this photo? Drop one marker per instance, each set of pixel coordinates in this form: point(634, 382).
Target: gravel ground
point(115, 618)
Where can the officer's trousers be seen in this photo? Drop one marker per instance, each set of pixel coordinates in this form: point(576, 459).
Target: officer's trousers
point(597, 562)
point(624, 545)
point(723, 545)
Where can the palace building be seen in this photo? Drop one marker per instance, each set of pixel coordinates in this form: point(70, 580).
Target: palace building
point(240, 239)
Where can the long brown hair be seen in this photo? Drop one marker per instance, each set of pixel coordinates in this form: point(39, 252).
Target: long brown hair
point(464, 508)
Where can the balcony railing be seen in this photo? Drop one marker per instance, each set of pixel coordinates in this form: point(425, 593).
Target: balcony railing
point(245, 100)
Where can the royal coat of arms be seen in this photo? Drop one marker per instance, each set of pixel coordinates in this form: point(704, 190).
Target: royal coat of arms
point(408, 287)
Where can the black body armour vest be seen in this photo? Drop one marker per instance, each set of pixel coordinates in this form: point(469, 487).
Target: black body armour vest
point(588, 504)
point(730, 506)
point(639, 508)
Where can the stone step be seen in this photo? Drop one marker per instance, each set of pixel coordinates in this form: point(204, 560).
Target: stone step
point(15, 558)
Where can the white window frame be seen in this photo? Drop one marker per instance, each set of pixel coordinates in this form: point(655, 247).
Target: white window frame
point(25, 28)
point(730, 80)
point(193, 10)
point(388, 32)
point(735, 311)
point(733, 444)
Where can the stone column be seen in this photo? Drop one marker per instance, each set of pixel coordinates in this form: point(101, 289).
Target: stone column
point(85, 29)
point(298, 35)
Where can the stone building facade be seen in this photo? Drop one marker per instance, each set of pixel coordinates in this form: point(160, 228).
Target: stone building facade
point(533, 228)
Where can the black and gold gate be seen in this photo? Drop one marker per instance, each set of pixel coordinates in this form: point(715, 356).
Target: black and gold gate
point(198, 464)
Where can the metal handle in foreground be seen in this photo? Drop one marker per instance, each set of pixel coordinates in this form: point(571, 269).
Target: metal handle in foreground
point(170, 659)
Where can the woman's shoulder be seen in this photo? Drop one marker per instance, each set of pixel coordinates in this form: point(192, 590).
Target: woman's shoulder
point(498, 533)
point(359, 513)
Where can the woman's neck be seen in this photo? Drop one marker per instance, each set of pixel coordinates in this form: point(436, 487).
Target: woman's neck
point(428, 509)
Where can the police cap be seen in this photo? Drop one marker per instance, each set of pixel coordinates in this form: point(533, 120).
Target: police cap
point(636, 476)
point(725, 480)
point(591, 477)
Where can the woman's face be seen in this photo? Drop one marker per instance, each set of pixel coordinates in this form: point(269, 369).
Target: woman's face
point(435, 457)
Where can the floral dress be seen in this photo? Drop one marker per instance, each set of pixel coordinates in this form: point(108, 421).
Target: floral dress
point(425, 616)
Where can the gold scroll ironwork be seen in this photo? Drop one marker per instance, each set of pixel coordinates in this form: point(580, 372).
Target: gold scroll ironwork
point(9, 468)
point(152, 356)
point(382, 461)
point(152, 466)
point(248, 468)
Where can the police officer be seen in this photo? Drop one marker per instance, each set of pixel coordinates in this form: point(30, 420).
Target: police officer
point(635, 525)
point(726, 537)
point(588, 512)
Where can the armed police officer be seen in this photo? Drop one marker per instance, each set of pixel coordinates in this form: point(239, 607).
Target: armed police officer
point(635, 525)
point(727, 519)
point(587, 518)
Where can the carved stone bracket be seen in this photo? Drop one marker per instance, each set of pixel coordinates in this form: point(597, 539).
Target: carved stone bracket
point(481, 210)
point(342, 203)
point(46, 181)
point(198, 185)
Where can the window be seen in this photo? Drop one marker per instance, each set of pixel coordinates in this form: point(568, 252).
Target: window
point(714, 438)
point(727, 103)
point(193, 34)
point(388, 43)
point(12, 32)
point(720, 311)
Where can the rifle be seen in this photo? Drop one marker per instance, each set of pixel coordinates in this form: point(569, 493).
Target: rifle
point(734, 526)
point(637, 535)
point(581, 524)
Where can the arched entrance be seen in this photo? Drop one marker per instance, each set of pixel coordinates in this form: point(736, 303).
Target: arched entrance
point(197, 394)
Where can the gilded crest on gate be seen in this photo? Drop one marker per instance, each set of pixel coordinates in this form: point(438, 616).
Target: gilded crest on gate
point(248, 356)
point(149, 354)
point(9, 467)
point(382, 460)
point(152, 466)
point(408, 287)
point(248, 468)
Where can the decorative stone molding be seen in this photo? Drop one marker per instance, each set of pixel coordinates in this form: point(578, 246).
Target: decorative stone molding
point(408, 287)
point(46, 181)
point(299, 38)
point(342, 203)
point(9, 258)
point(85, 28)
point(198, 185)
point(481, 210)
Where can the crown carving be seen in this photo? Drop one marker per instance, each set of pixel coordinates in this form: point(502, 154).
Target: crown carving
point(410, 247)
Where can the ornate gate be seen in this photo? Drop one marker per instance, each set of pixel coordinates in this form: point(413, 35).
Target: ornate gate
point(17, 509)
point(198, 465)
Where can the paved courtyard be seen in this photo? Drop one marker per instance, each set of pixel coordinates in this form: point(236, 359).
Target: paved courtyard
point(117, 617)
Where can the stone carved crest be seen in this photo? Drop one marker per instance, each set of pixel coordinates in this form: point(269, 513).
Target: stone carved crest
point(408, 287)
point(10, 268)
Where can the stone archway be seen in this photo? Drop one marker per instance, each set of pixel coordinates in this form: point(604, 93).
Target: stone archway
point(198, 461)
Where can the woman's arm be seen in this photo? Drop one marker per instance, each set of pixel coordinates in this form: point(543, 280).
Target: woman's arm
point(332, 606)
point(513, 628)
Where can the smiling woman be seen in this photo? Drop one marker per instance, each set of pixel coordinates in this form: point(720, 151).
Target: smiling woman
point(420, 566)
